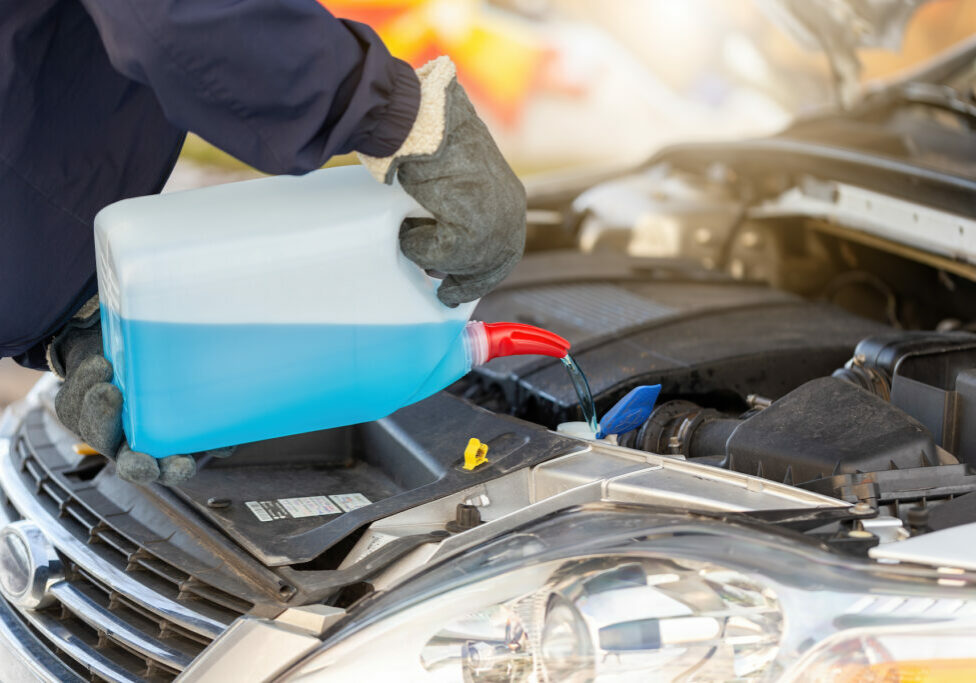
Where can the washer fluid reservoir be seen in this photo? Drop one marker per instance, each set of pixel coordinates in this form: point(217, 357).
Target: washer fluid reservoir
point(276, 306)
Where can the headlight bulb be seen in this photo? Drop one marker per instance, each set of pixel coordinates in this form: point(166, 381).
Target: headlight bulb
point(492, 662)
point(488, 646)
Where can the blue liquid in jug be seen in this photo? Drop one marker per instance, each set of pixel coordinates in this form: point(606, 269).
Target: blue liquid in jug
point(193, 387)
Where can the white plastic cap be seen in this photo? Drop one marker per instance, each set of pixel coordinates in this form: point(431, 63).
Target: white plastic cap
point(476, 343)
point(580, 430)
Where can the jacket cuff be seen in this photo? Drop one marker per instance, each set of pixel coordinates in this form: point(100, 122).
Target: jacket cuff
point(34, 358)
point(83, 309)
point(392, 125)
point(430, 127)
point(85, 318)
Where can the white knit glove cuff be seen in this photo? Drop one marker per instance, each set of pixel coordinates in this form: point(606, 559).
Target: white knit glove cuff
point(427, 133)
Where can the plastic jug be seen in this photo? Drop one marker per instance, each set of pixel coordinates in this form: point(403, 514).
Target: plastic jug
point(276, 306)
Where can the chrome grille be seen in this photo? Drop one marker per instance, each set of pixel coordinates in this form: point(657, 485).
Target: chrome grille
point(122, 613)
point(96, 531)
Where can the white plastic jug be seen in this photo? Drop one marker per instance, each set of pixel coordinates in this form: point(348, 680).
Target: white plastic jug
point(269, 307)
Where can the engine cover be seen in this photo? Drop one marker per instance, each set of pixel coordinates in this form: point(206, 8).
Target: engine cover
point(639, 321)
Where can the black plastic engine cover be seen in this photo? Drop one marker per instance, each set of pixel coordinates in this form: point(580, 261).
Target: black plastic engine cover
point(409, 458)
point(828, 427)
point(634, 322)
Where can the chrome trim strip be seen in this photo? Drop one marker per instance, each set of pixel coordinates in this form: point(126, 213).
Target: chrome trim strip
point(5, 519)
point(103, 620)
point(78, 552)
point(25, 658)
point(22, 656)
point(68, 643)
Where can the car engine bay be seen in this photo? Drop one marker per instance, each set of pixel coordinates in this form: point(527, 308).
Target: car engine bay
point(756, 381)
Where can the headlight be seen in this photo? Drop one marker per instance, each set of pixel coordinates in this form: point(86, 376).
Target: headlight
point(603, 618)
point(617, 593)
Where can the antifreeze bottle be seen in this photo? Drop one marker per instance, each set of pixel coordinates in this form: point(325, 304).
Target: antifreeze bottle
point(277, 306)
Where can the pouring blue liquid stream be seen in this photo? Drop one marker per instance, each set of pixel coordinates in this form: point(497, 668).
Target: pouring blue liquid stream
point(582, 387)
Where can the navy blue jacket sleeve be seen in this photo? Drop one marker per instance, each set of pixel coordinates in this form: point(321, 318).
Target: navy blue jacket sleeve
point(280, 84)
point(96, 95)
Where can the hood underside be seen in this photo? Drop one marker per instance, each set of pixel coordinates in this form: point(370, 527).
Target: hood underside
point(841, 27)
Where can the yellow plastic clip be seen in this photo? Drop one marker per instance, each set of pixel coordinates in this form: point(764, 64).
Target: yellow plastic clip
point(474, 454)
point(84, 449)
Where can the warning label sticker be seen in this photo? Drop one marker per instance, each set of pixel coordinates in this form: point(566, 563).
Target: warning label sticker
point(267, 510)
point(292, 508)
point(313, 506)
point(309, 506)
point(349, 501)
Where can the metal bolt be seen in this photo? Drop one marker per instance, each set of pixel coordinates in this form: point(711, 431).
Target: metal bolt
point(757, 401)
point(859, 533)
point(862, 509)
point(218, 503)
point(467, 517)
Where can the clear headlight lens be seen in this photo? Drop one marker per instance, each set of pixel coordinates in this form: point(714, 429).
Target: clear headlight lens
point(607, 618)
point(607, 593)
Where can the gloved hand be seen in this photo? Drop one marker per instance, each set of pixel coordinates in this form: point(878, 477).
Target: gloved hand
point(91, 406)
point(452, 167)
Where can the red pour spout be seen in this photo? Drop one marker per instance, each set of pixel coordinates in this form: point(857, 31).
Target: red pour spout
point(516, 339)
point(484, 341)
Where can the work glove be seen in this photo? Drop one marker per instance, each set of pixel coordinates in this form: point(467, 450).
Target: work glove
point(91, 406)
point(452, 167)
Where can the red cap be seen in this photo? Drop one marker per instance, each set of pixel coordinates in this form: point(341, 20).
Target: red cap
point(515, 339)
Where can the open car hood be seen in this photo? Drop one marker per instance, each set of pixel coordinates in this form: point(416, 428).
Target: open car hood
point(841, 27)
